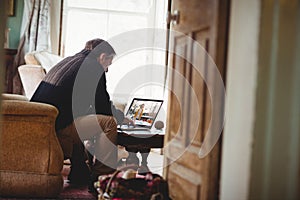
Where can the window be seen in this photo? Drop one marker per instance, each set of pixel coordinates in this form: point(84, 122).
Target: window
point(88, 19)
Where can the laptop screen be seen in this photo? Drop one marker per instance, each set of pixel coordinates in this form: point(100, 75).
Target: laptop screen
point(144, 111)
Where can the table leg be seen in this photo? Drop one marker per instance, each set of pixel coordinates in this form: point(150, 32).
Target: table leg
point(132, 158)
point(145, 154)
point(143, 169)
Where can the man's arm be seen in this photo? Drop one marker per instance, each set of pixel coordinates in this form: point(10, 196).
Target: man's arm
point(118, 114)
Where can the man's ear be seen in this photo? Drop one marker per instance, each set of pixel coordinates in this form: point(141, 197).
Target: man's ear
point(102, 58)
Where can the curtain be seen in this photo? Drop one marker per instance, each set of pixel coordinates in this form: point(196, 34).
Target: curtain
point(35, 34)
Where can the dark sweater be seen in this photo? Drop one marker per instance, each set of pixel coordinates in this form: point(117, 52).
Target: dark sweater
point(76, 86)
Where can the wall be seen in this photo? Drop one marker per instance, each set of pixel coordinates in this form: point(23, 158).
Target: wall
point(261, 141)
point(240, 100)
point(276, 149)
point(14, 23)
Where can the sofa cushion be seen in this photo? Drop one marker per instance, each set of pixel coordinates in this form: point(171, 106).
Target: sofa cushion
point(31, 76)
point(44, 58)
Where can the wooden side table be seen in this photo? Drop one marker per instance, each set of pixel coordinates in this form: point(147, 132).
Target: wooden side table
point(142, 143)
point(9, 72)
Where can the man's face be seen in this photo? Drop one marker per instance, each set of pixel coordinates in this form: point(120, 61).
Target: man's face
point(105, 60)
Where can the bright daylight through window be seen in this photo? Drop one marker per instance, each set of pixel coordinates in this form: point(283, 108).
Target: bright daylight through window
point(88, 19)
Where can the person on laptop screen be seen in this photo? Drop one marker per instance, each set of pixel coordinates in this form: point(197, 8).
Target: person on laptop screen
point(138, 114)
point(76, 86)
point(143, 113)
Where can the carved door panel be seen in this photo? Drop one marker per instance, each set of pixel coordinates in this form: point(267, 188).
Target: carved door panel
point(197, 45)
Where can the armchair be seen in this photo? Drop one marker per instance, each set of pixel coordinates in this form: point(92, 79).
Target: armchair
point(31, 158)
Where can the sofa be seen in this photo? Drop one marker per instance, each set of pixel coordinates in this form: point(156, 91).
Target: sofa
point(43, 58)
point(31, 76)
point(38, 63)
point(31, 158)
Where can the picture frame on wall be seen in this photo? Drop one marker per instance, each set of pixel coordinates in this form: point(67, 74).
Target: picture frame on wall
point(10, 8)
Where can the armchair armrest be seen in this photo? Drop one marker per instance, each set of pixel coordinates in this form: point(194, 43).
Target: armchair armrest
point(7, 96)
point(26, 108)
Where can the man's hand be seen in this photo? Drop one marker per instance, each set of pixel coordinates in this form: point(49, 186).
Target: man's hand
point(129, 122)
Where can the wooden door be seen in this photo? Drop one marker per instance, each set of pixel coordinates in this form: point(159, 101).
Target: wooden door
point(191, 103)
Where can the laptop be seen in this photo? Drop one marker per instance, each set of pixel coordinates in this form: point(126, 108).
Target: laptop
point(143, 112)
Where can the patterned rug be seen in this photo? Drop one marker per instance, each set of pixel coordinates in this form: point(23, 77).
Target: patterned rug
point(68, 192)
point(73, 191)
